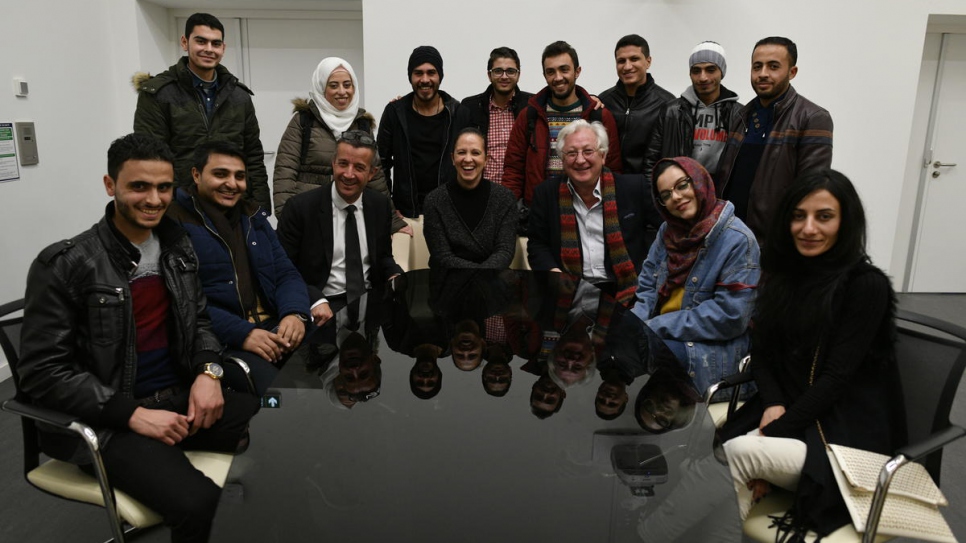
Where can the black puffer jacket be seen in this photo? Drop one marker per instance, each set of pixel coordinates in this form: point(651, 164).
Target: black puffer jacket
point(635, 118)
point(78, 341)
point(170, 109)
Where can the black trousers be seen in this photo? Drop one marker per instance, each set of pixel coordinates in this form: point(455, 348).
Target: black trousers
point(162, 478)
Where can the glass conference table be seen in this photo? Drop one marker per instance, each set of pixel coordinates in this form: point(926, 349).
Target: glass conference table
point(383, 430)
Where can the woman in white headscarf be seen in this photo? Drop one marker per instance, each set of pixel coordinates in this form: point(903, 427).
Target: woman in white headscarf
point(304, 159)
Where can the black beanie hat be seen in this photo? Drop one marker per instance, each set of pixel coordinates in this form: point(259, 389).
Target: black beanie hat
point(422, 55)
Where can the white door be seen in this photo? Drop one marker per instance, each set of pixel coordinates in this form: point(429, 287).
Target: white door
point(939, 258)
point(282, 55)
point(276, 58)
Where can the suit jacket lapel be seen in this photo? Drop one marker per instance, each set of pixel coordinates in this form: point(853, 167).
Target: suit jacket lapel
point(371, 220)
point(325, 216)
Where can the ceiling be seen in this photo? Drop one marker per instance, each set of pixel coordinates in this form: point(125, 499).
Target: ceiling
point(300, 5)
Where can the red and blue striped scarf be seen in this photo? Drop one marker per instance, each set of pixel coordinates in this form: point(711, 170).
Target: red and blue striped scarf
point(613, 238)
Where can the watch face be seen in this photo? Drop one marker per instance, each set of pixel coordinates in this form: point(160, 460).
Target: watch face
point(215, 369)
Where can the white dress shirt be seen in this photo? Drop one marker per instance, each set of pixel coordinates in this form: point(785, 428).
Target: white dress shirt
point(590, 229)
point(335, 284)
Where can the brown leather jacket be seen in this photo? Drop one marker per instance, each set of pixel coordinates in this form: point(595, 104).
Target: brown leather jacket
point(800, 141)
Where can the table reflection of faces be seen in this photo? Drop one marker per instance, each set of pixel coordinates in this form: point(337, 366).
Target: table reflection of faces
point(659, 414)
point(572, 357)
point(666, 402)
point(467, 346)
point(611, 400)
point(546, 398)
point(497, 376)
point(360, 371)
point(425, 377)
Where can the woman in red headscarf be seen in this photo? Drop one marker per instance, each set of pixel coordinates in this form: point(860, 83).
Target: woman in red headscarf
point(696, 290)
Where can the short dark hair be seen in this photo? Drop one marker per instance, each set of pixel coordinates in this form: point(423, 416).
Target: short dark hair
point(488, 386)
point(558, 48)
point(425, 394)
point(360, 139)
point(215, 147)
point(788, 44)
point(470, 130)
point(636, 40)
point(502, 52)
point(203, 19)
point(611, 416)
point(136, 146)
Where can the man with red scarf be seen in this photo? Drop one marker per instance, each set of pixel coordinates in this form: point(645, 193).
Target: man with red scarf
point(590, 222)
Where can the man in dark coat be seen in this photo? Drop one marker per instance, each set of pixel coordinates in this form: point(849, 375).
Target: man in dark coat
point(198, 100)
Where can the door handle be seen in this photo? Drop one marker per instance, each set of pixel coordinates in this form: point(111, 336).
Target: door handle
point(938, 164)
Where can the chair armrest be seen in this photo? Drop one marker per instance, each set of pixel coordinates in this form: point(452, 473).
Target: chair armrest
point(88, 436)
point(244, 366)
point(42, 414)
point(915, 451)
point(903, 456)
point(729, 381)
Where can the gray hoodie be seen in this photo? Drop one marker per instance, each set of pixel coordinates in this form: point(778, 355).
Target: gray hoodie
point(710, 126)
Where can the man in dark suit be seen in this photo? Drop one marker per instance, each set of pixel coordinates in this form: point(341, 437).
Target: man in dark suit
point(590, 222)
point(339, 257)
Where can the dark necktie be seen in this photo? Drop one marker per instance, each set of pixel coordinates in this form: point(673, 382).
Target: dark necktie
point(354, 281)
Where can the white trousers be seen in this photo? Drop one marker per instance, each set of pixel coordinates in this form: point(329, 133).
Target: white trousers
point(778, 460)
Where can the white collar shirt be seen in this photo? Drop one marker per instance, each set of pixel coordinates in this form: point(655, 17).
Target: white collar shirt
point(590, 229)
point(336, 283)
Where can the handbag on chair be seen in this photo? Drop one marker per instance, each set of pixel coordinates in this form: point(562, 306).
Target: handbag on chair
point(911, 506)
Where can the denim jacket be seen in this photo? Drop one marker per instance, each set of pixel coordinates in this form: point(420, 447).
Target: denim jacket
point(719, 296)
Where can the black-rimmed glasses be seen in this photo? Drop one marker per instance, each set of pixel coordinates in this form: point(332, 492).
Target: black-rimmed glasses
point(680, 187)
point(500, 72)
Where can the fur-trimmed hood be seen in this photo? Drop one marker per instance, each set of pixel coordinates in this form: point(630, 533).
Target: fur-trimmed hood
point(139, 79)
point(145, 82)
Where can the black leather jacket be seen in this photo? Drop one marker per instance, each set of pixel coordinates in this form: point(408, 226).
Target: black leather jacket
point(78, 342)
point(673, 133)
point(635, 118)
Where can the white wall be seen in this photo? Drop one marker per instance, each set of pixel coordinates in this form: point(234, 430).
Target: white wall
point(77, 58)
point(859, 59)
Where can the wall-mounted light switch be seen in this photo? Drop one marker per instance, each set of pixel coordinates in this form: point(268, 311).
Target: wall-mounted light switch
point(20, 87)
point(27, 143)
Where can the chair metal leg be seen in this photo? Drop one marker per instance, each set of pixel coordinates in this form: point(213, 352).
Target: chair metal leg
point(878, 499)
point(110, 505)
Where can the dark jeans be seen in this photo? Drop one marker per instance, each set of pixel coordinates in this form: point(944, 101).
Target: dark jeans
point(162, 478)
point(261, 371)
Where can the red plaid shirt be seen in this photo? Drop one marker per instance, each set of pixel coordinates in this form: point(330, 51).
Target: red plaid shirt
point(501, 122)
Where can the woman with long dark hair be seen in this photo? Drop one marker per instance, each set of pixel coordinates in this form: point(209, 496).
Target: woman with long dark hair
point(823, 356)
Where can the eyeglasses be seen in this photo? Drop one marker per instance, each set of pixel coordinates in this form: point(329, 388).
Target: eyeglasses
point(663, 414)
point(357, 136)
point(364, 396)
point(680, 188)
point(500, 72)
point(571, 155)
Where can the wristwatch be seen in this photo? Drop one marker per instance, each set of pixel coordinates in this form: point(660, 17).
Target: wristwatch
point(214, 370)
